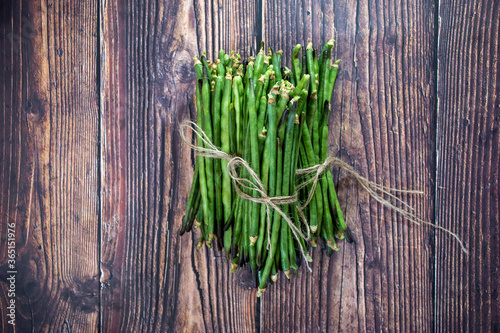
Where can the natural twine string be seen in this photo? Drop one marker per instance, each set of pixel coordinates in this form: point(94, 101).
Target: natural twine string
point(255, 184)
point(372, 189)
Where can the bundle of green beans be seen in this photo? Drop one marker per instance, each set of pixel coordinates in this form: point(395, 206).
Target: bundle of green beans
point(276, 119)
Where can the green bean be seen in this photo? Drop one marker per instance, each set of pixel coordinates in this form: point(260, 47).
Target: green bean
point(263, 208)
point(204, 212)
point(288, 76)
point(216, 107)
point(267, 75)
point(262, 113)
point(206, 66)
point(283, 103)
point(209, 165)
point(298, 91)
point(325, 56)
point(298, 125)
point(247, 210)
point(316, 133)
point(332, 77)
point(193, 193)
point(335, 202)
point(268, 162)
point(268, 171)
point(287, 165)
point(276, 226)
point(200, 242)
point(291, 250)
point(194, 212)
point(213, 68)
point(327, 218)
point(259, 87)
point(267, 61)
point(255, 156)
point(276, 61)
point(304, 63)
point(301, 241)
point(245, 242)
point(232, 216)
point(237, 102)
point(262, 140)
point(299, 122)
point(311, 69)
point(262, 236)
point(249, 75)
point(297, 70)
point(274, 273)
point(311, 111)
point(199, 218)
point(295, 151)
point(255, 163)
point(238, 217)
point(259, 63)
point(225, 126)
point(315, 63)
point(232, 128)
point(279, 53)
point(313, 211)
point(271, 136)
point(308, 149)
point(198, 68)
point(313, 114)
point(221, 69)
point(323, 78)
point(200, 162)
point(228, 235)
point(331, 188)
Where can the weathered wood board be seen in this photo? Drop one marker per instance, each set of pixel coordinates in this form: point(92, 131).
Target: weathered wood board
point(95, 177)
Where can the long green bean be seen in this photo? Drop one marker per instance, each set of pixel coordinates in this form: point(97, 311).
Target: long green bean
point(193, 192)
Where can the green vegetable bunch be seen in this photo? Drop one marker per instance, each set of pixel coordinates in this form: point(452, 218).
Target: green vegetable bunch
point(275, 119)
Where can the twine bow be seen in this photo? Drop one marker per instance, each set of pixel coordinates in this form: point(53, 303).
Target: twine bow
point(253, 184)
point(373, 190)
point(256, 185)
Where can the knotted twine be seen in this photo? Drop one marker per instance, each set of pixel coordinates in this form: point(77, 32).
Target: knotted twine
point(255, 184)
point(372, 189)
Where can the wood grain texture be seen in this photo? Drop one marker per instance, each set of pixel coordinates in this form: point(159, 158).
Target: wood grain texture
point(382, 123)
point(467, 181)
point(154, 280)
point(50, 163)
point(95, 176)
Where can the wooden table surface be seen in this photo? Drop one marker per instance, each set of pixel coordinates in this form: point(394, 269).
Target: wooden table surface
point(94, 177)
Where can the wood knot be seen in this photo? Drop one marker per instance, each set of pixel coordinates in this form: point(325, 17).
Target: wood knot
point(35, 110)
point(245, 279)
point(32, 289)
point(183, 67)
point(83, 295)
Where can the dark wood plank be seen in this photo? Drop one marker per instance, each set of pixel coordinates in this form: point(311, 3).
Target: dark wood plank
point(154, 280)
point(382, 124)
point(467, 182)
point(49, 169)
